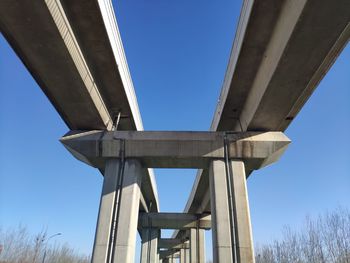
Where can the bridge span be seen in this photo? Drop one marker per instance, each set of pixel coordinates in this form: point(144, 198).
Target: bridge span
point(282, 50)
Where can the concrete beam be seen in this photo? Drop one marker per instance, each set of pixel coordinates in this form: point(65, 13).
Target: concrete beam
point(174, 221)
point(163, 254)
point(171, 243)
point(281, 51)
point(176, 149)
point(90, 82)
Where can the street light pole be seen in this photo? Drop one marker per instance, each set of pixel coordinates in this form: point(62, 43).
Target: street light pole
point(58, 234)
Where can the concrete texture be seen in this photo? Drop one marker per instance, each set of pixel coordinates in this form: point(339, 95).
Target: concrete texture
point(176, 149)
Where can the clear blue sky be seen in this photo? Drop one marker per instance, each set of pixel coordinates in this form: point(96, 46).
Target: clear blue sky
point(177, 53)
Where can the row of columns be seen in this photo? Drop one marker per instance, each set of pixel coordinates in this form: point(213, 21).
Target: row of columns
point(119, 207)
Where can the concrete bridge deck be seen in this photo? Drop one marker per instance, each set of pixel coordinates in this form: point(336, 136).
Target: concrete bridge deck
point(281, 51)
point(75, 54)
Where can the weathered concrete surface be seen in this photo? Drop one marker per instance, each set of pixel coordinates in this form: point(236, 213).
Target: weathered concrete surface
point(176, 149)
point(174, 221)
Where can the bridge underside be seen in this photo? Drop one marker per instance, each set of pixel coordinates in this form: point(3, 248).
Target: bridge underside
point(75, 54)
point(123, 155)
point(282, 50)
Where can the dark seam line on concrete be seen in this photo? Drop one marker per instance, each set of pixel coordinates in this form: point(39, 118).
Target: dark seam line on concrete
point(230, 201)
point(116, 208)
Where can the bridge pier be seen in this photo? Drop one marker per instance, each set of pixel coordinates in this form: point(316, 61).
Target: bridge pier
point(149, 246)
point(118, 214)
point(226, 155)
point(231, 228)
point(197, 245)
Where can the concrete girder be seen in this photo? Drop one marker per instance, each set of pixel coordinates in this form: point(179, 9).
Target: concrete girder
point(272, 73)
point(174, 221)
point(90, 82)
point(170, 253)
point(176, 149)
point(171, 243)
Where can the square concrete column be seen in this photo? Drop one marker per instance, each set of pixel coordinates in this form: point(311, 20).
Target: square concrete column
point(118, 214)
point(182, 255)
point(244, 239)
point(187, 255)
point(193, 245)
point(149, 246)
point(197, 245)
point(220, 213)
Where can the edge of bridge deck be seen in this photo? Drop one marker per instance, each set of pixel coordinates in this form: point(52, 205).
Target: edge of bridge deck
point(289, 31)
point(56, 42)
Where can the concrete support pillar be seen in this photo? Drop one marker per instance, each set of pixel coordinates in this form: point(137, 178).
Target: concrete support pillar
point(187, 255)
point(149, 246)
point(193, 245)
point(220, 213)
point(183, 255)
point(197, 245)
point(244, 239)
point(231, 227)
point(118, 214)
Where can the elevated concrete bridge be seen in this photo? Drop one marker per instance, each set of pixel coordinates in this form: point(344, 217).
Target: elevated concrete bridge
point(282, 50)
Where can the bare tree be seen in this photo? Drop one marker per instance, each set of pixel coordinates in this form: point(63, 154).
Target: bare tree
point(18, 246)
point(322, 240)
